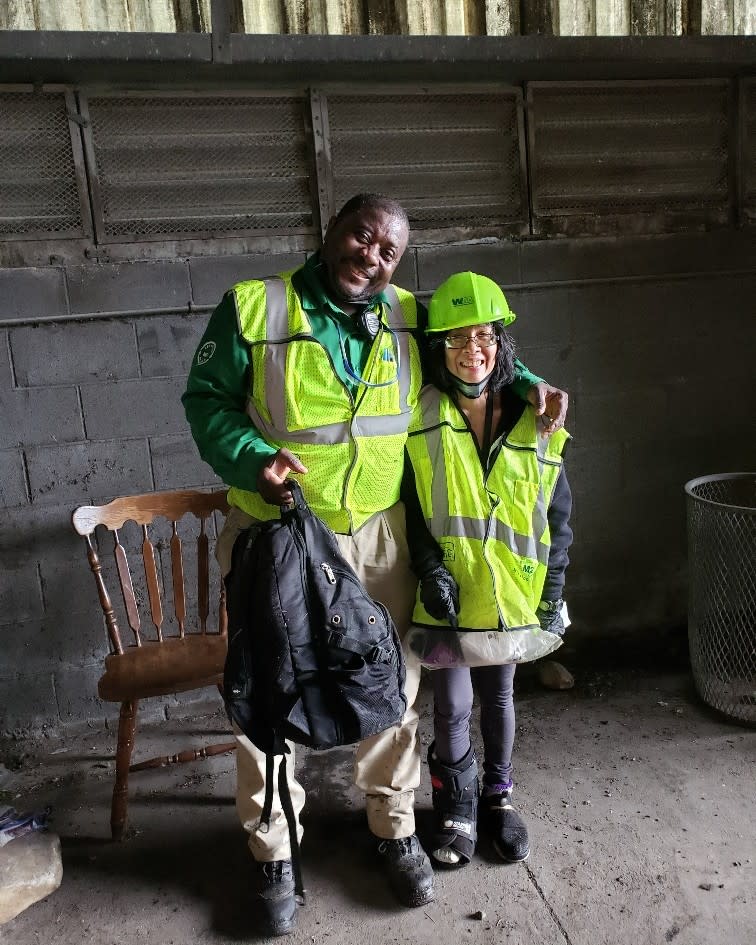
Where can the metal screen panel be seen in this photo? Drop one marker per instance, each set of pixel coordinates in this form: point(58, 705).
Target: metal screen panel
point(749, 149)
point(452, 160)
point(39, 190)
point(195, 165)
point(602, 150)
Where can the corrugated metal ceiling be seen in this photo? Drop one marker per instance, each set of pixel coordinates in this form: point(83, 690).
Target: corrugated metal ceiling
point(412, 17)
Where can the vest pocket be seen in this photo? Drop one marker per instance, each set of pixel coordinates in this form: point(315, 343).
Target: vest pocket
point(524, 498)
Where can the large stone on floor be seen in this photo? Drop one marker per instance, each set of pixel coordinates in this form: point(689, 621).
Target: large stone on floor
point(30, 869)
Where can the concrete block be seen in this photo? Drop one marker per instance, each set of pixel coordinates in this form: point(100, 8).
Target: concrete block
point(30, 869)
point(74, 353)
point(543, 316)
point(34, 534)
point(39, 415)
point(89, 472)
point(618, 415)
point(405, 274)
point(594, 470)
point(27, 701)
point(145, 407)
point(20, 595)
point(616, 362)
point(549, 363)
point(27, 650)
point(177, 464)
point(76, 691)
point(32, 293)
point(125, 287)
point(665, 464)
point(167, 344)
point(68, 585)
point(644, 520)
point(12, 479)
point(34, 647)
point(6, 374)
point(212, 276)
point(31, 533)
point(695, 312)
point(612, 257)
point(499, 261)
point(618, 607)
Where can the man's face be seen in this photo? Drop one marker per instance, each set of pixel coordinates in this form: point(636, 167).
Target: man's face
point(360, 253)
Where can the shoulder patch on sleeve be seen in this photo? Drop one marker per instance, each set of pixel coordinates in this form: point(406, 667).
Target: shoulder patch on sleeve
point(205, 353)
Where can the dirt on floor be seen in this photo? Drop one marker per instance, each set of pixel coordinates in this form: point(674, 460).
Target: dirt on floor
point(639, 799)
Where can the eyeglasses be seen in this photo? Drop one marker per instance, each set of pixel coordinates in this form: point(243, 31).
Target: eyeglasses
point(483, 339)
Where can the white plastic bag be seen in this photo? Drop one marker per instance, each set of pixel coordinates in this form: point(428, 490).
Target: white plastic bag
point(444, 648)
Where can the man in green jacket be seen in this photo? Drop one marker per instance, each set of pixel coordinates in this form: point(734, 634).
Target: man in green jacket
point(314, 374)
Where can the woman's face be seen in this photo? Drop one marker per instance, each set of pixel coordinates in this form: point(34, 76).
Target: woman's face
point(472, 354)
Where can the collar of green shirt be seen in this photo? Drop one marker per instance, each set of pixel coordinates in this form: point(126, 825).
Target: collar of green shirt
point(312, 291)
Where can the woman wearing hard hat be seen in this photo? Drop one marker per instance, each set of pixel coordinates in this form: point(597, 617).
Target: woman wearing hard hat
point(488, 524)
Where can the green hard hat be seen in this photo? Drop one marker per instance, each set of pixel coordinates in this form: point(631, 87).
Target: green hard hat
point(467, 299)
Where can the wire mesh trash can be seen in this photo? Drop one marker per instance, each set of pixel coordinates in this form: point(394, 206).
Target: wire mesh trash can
point(722, 591)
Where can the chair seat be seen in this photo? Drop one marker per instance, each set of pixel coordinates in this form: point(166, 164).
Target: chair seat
point(158, 669)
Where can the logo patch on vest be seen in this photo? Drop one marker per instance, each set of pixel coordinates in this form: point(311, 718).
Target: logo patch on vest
point(206, 352)
point(528, 569)
point(448, 549)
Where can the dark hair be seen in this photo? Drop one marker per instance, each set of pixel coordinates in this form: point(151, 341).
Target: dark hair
point(439, 375)
point(374, 202)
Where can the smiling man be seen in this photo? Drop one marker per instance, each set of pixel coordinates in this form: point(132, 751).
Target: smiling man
point(314, 374)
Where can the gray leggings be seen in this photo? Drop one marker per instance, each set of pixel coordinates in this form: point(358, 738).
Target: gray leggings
point(453, 701)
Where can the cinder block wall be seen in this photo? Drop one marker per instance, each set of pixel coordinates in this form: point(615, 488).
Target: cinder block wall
point(652, 336)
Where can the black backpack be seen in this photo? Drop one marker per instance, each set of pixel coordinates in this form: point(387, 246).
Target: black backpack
point(311, 657)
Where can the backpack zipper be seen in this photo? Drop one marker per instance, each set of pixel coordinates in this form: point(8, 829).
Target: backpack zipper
point(328, 571)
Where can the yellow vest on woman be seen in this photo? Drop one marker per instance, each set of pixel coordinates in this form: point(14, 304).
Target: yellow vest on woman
point(352, 446)
point(492, 528)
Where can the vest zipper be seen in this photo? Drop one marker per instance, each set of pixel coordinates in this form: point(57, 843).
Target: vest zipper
point(490, 569)
point(354, 406)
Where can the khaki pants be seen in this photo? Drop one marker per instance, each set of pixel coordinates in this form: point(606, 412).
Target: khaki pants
point(387, 766)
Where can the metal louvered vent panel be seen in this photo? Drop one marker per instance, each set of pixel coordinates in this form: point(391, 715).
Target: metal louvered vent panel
point(749, 149)
point(452, 160)
point(604, 149)
point(39, 196)
point(196, 165)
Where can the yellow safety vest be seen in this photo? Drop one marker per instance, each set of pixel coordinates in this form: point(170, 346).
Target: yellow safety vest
point(493, 529)
point(353, 447)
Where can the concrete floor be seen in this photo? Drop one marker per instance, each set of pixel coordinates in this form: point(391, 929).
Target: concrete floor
point(640, 802)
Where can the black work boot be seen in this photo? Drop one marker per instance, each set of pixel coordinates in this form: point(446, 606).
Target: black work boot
point(409, 870)
point(455, 803)
point(275, 901)
point(505, 827)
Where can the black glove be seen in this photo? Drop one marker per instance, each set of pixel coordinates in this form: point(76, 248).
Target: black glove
point(549, 613)
point(440, 595)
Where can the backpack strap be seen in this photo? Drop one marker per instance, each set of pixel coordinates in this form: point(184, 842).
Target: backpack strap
point(288, 809)
point(373, 653)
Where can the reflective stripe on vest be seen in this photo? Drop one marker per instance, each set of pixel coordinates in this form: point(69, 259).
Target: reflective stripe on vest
point(497, 588)
point(290, 405)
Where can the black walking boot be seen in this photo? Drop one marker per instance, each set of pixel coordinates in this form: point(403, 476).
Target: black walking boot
point(409, 871)
point(455, 802)
point(505, 827)
point(275, 900)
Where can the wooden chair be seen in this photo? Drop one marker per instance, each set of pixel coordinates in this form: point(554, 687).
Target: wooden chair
point(162, 659)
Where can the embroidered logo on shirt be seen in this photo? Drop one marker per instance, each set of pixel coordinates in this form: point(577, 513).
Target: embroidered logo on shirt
point(206, 352)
